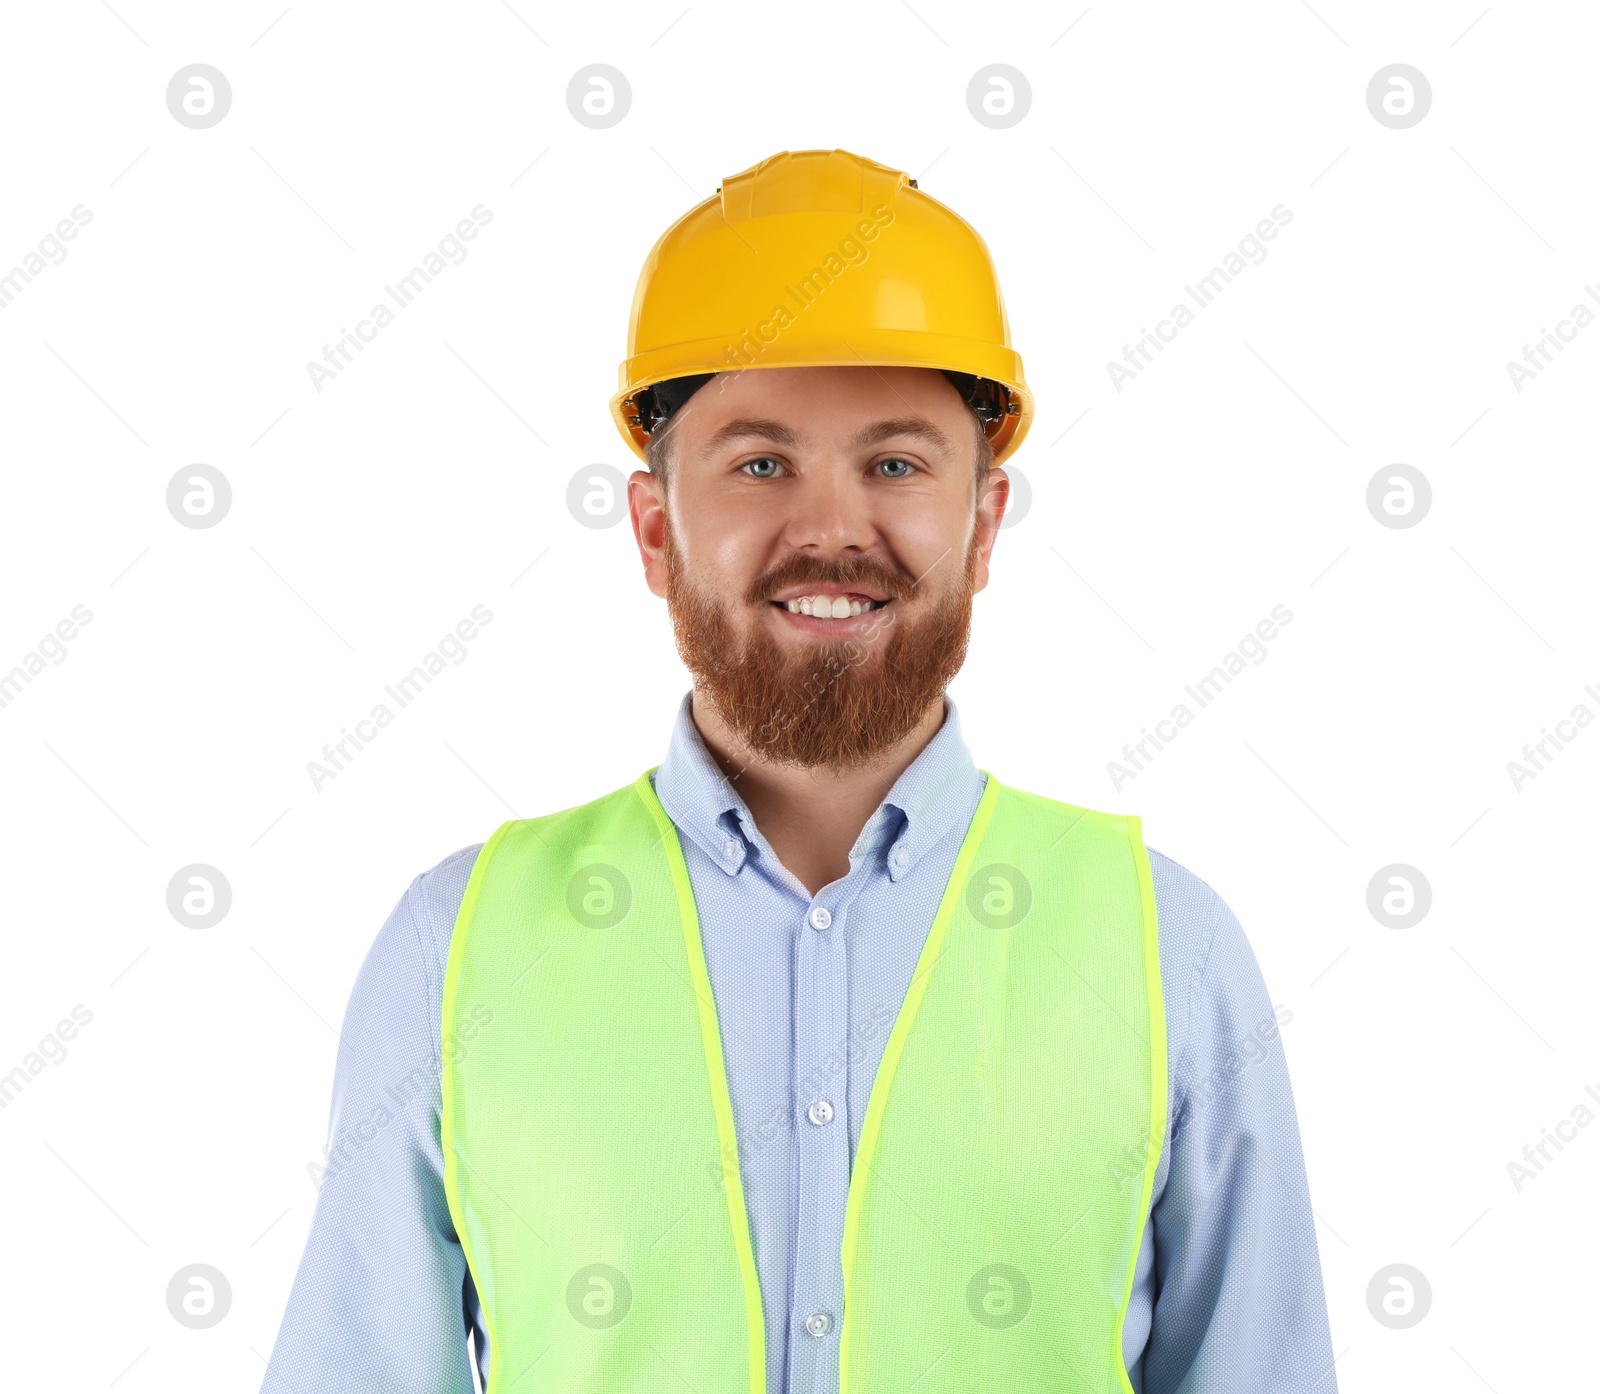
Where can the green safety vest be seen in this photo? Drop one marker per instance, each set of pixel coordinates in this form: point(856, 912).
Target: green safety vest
point(1005, 1163)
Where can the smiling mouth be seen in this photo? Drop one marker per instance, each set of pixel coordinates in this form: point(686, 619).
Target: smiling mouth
point(834, 607)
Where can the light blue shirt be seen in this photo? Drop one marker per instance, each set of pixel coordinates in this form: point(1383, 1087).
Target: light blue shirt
point(1227, 1295)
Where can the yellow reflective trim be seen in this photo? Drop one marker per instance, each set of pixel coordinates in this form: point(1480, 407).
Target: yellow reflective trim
point(1158, 1072)
point(877, 1100)
point(452, 975)
point(711, 1036)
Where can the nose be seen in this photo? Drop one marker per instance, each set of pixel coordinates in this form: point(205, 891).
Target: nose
point(831, 512)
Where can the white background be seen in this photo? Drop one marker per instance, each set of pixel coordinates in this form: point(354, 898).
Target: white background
point(1166, 520)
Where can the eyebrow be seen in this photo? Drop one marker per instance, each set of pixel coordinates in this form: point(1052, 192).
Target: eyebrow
point(917, 427)
point(748, 428)
point(761, 428)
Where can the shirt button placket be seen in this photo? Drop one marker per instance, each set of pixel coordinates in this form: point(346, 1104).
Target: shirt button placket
point(821, 1010)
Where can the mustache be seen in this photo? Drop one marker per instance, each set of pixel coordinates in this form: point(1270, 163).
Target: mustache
point(842, 571)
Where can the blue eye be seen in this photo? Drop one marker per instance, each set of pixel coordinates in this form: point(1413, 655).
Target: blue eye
point(753, 467)
point(898, 466)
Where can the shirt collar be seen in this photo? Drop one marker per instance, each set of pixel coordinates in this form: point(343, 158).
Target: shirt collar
point(931, 793)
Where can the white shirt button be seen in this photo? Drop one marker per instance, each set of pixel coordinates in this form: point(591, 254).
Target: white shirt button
point(820, 918)
point(819, 1323)
point(820, 1112)
point(899, 859)
point(730, 849)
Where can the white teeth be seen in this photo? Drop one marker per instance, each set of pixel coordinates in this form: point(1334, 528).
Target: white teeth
point(834, 607)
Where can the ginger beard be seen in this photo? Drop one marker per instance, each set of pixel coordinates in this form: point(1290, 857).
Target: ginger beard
point(837, 704)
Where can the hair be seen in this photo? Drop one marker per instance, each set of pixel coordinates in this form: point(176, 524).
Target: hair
point(658, 455)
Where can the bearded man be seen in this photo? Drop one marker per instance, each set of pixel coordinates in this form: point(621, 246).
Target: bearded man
point(816, 1060)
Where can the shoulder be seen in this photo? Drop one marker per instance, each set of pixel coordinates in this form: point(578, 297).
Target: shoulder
point(392, 1011)
point(433, 899)
point(1196, 925)
point(1188, 910)
point(1211, 980)
point(1188, 914)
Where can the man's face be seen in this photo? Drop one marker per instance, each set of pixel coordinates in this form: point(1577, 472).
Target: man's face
point(819, 545)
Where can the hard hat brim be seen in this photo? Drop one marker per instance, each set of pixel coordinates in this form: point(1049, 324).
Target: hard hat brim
point(868, 347)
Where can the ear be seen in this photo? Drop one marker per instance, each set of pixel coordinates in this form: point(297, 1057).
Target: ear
point(647, 511)
point(993, 496)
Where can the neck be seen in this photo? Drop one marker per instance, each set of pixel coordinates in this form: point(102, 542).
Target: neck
point(811, 817)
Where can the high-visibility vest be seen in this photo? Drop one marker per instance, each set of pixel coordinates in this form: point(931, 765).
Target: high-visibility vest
point(1004, 1168)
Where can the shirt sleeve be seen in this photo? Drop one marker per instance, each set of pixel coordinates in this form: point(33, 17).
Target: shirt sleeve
point(380, 1302)
point(1239, 1304)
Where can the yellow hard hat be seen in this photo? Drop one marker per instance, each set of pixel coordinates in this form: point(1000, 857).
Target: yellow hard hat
point(820, 258)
